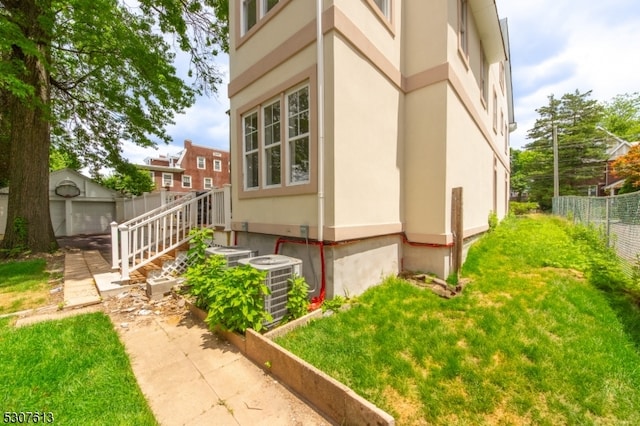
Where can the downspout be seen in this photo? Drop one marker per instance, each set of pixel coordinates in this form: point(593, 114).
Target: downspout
point(320, 89)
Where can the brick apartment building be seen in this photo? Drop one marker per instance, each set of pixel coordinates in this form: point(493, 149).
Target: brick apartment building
point(195, 168)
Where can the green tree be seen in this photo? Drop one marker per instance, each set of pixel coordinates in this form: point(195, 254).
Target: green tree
point(519, 182)
point(61, 159)
point(622, 116)
point(82, 76)
point(129, 180)
point(581, 150)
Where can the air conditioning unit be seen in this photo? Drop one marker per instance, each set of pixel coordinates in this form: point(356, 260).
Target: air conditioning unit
point(279, 269)
point(231, 254)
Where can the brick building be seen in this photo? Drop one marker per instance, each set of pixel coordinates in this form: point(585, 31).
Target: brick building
point(195, 168)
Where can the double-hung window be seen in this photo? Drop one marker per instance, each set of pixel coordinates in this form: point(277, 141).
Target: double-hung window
point(253, 11)
point(217, 165)
point(186, 181)
point(298, 135)
point(272, 142)
point(167, 179)
point(250, 144)
point(208, 183)
point(202, 162)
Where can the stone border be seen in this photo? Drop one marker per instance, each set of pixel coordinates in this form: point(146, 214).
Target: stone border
point(336, 401)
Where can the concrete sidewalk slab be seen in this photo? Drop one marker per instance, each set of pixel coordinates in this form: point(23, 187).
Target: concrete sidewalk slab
point(79, 286)
point(191, 376)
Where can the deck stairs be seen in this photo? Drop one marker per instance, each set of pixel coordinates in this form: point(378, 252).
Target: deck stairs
point(155, 244)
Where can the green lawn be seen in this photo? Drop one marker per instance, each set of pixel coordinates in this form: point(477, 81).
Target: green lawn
point(24, 285)
point(542, 335)
point(75, 368)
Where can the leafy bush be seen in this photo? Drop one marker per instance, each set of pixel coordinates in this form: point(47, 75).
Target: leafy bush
point(297, 298)
point(493, 221)
point(333, 304)
point(202, 276)
point(236, 299)
point(519, 208)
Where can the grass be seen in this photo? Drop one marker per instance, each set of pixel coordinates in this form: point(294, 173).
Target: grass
point(24, 285)
point(543, 335)
point(75, 368)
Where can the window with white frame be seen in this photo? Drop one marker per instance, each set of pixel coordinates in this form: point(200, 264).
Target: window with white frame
point(383, 5)
point(217, 165)
point(253, 11)
point(250, 148)
point(152, 175)
point(463, 26)
point(249, 14)
point(186, 181)
point(271, 143)
point(208, 183)
point(167, 179)
point(201, 162)
point(298, 136)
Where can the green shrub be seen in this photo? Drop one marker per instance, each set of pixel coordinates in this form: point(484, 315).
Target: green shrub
point(519, 208)
point(297, 298)
point(333, 304)
point(236, 299)
point(202, 277)
point(493, 221)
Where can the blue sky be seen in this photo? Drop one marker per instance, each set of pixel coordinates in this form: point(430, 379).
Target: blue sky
point(557, 46)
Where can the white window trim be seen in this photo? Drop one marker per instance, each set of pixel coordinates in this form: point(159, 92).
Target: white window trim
point(164, 176)
point(264, 147)
point(183, 179)
point(254, 151)
point(288, 140)
point(204, 183)
point(217, 165)
point(204, 162)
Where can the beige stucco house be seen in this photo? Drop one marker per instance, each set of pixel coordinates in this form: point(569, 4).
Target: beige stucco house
point(352, 125)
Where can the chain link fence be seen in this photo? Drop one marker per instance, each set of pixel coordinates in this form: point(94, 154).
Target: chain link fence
point(617, 217)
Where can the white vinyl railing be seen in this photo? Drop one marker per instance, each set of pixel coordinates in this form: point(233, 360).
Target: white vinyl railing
point(141, 240)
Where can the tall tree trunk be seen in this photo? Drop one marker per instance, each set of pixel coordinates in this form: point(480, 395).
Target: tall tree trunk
point(28, 218)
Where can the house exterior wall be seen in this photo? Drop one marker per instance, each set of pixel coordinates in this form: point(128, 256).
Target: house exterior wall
point(406, 121)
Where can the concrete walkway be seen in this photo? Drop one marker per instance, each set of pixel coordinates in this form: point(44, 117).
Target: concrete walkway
point(189, 375)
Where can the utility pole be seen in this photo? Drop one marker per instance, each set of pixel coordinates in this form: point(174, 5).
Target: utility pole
point(556, 182)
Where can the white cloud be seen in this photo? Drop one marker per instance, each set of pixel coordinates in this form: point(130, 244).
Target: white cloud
point(558, 46)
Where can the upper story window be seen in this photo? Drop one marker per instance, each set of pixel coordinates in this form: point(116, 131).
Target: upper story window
point(495, 111)
point(208, 183)
point(463, 26)
point(186, 181)
point(217, 165)
point(383, 5)
point(253, 10)
point(502, 76)
point(484, 78)
point(202, 162)
point(167, 179)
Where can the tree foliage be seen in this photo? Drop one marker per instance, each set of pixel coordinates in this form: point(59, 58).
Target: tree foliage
point(628, 168)
point(622, 116)
point(81, 76)
point(129, 180)
point(581, 149)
